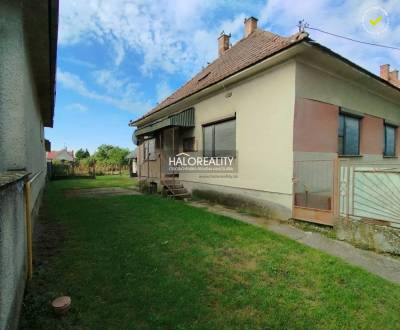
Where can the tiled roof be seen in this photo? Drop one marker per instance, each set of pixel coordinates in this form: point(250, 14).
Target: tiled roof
point(54, 154)
point(257, 46)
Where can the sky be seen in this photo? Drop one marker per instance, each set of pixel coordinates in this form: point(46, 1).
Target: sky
point(118, 58)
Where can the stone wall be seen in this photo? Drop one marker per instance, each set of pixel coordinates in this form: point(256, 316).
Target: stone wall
point(369, 234)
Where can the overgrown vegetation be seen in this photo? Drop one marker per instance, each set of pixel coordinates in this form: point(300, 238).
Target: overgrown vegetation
point(143, 262)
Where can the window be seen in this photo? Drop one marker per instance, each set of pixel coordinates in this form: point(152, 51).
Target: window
point(188, 144)
point(349, 135)
point(149, 149)
point(219, 139)
point(390, 140)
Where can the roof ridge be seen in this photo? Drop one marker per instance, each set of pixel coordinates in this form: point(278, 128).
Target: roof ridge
point(245, 52)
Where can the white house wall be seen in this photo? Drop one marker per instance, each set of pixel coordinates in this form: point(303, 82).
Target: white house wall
point(264, 107)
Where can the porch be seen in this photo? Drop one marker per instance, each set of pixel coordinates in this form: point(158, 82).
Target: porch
point(159, 141)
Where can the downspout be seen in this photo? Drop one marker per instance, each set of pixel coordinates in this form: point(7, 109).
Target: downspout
point(28, 223)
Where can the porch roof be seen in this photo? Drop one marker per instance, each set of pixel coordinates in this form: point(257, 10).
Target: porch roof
point(181, 119)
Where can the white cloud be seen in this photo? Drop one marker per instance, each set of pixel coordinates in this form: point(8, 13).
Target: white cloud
point(163, 90)
point(77, 107)
point(123, 96)
point(168, 35)
point(79, 62)
point(344, 19)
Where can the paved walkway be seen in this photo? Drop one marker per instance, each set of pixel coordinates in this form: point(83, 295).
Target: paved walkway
point(381, 265)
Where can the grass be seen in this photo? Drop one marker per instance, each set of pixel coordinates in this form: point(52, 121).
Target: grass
point(143, 262)
point(100, 181)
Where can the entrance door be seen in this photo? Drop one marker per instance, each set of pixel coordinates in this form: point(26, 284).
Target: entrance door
point(315, 191)
point(170, 147)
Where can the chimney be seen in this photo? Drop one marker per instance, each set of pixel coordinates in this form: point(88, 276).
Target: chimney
point(390, 76)
point(250, 24)
point(394, 75)
point(384, 72)
point(223, 43)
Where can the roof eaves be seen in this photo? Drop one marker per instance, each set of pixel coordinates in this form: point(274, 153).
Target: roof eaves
point(325, 49)
point(293, 42)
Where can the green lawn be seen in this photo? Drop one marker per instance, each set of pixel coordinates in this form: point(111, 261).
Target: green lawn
point(143, 262)
point(100, 181)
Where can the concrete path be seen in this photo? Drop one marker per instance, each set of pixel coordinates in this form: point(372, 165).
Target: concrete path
point(381, 265)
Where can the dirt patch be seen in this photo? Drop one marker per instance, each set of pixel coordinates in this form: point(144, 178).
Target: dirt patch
point(47, 236)
point(96, 192)
point(236, 259)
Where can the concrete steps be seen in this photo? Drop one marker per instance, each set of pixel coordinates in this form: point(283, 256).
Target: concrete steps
point(175, 189)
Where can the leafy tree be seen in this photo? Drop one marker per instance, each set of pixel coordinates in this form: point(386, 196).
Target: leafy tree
point(82, 154)
point(117, 156)
point(102, 153)
point(111, 155)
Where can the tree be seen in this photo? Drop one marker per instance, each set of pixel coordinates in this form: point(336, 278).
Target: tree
point(102, 153)
point(81, 154)
point(111, 155)
point(117, 156)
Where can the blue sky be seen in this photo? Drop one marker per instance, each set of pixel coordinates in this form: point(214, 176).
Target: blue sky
point(118, 58)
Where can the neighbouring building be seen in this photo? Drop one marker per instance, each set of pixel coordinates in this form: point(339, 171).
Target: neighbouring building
point(132, 161)
point(63, 155)
point(28, 45)
point(313, 135)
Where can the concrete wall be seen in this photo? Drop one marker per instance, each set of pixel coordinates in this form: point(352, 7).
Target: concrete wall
point(12, 253)
point(21, 148)
point(22, 133)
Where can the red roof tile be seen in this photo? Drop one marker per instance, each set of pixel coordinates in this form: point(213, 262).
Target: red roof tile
point(248, 51)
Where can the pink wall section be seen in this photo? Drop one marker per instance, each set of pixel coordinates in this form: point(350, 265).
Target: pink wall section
point(315, 126)
point(371, 136)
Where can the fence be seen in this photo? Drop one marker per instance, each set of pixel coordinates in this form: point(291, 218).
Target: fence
point(64, 170)
point(370, 190)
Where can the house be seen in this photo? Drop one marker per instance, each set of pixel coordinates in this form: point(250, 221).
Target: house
point(28, 30)
point(312, 135)
point(62, 155)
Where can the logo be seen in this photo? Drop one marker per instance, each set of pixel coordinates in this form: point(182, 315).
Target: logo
point(225, 162)
point(375, 20)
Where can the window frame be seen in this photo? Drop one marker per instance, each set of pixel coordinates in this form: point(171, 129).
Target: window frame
point(386, 125)
point(358, 118)
point(146, 154)
point(213, 124)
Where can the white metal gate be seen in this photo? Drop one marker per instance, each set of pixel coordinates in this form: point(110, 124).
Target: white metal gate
point(370, 190)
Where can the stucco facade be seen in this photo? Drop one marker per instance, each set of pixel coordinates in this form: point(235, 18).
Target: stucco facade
point(263, 110)
point(27, 57)
point(285, 114)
